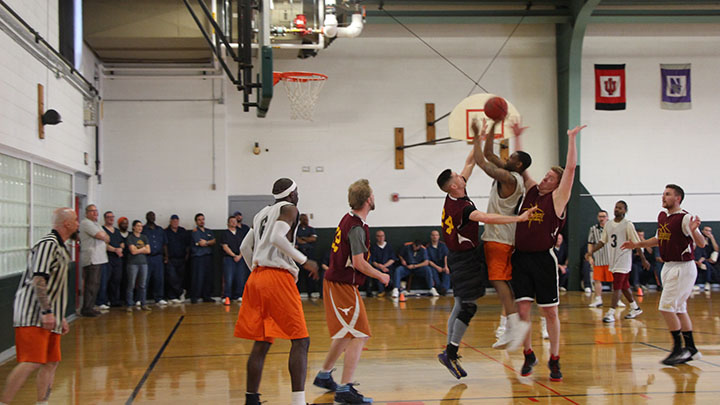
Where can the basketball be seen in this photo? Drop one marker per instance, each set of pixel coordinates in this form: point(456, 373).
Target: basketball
point(496, 109)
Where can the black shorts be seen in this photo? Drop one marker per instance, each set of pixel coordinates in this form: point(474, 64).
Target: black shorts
point(468, 273)
point(535, 277)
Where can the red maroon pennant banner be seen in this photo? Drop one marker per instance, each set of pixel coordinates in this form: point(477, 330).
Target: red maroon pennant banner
point(610, 87)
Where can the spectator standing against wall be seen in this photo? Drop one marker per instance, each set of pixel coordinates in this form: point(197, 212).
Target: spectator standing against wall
point(305, 242)
point(157, 258)
point(230, 241)
point(178, 248)
point(113, 269)
point(92, 256)
point(202, 271)
point(139, 248)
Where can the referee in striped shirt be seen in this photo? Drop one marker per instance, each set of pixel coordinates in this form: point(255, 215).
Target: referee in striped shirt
point(39, 309)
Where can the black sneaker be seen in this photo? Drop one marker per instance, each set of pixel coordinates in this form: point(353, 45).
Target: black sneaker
point(554, 366)
point(676, 358)
point(530, 362)
point(252, 399)
point(351, 396)
point(326, 383)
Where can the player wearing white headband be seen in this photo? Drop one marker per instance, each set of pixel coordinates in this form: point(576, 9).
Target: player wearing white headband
point(271, 306)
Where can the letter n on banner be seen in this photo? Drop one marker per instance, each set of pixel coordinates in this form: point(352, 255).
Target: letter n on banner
point(610, 87)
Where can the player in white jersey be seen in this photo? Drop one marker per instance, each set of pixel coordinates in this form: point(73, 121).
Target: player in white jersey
point(507, 190)
point(615, 233)
point(271, 306)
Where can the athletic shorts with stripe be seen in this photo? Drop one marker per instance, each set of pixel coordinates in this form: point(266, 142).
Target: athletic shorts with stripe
point(535, 277)
point(271, 307)
point(345, 311)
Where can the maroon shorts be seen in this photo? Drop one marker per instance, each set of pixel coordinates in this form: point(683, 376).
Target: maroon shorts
point(621, 281)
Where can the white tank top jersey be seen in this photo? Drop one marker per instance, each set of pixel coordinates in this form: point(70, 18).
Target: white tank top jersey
point(504, 233)
point(264, 252)
point(613, 236)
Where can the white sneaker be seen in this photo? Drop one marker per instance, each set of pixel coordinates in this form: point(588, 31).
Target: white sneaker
point(502, 340)
point(162, 302)
point(239, 299)
point(621, 304)
point(588, 290)
point(104, 307)
point(501, 328)
point(543, 328)
point(696, 288)
point(708, 287)
point(634, 313)
point(182, 296)
point(137, 303)
point(175, 301)
point(395, 293)
point(517, 334)
point(609, 317)
point(434, 292)
point(597, 302)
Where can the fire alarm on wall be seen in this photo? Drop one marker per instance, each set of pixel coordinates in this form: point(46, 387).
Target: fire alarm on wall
point(394, 197)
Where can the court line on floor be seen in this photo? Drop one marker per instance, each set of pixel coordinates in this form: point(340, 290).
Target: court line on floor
point(150, 368)
point(666, 350)
point(585, 395)
point(507, 366)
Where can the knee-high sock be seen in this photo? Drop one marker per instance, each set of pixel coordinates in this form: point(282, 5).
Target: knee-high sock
point(453, 317)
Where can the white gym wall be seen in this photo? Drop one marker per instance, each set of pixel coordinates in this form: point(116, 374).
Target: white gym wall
point(643, 148)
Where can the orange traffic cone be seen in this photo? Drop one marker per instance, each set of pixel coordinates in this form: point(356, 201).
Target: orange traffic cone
point(640, 292)
point(402, 297)
point(226, 301)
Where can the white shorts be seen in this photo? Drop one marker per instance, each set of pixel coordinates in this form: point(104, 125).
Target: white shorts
point(678, 279)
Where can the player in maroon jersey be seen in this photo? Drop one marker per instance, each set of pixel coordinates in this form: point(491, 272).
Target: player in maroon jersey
point(468, 274)
point(535, 276)
point(344, 309)
point(677, 233)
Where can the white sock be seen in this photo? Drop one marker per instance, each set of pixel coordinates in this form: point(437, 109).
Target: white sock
point(298, 398)
point(512, 320)
point(634, 305)
point(503, 320)
point(611, 311)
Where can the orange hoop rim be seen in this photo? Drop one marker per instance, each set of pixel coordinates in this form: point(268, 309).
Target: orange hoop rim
point(298, 77)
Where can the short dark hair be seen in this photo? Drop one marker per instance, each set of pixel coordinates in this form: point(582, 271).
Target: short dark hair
point(106, 214)
point(525, 159)
point(678, 190)
point(135, 222)
point(444, 178)
point(623, 203)
point(602, 211)
point(231, 217)
point(198, 215)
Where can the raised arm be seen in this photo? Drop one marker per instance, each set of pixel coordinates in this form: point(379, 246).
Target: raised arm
point(561, 196)
point(484, 217)
point(490, 168)
point(469, 166)
point(488, 150)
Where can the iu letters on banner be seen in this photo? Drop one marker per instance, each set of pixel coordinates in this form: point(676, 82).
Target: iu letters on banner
point(610, 87)
point(675, 86)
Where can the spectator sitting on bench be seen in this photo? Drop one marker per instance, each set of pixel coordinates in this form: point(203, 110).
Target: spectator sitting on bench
point(413, 261)
point(383, 258)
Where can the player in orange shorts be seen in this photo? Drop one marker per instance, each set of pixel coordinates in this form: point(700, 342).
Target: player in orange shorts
point(271, 306)
point(344, 309)
point(599, 259)
point(39, 309)
point(499, 239)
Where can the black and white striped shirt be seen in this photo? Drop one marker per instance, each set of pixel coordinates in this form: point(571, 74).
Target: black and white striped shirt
point(49, 258)
point(600, 257)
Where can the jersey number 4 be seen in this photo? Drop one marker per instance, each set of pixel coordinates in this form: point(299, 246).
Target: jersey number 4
point(447, 223)
point(336, 242)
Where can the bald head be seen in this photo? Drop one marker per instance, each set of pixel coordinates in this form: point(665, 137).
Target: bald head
point(65, 222)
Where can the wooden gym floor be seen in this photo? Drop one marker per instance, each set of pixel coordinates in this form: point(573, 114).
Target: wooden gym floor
point(187, 354)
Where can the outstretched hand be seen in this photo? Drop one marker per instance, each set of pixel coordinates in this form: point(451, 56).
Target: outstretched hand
point(694, 223)
point(576, 130)
point(477, 131)
point(525, 216)
point(628, 245)
point(517, 129)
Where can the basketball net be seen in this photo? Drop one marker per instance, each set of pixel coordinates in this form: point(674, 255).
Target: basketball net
point(303, 90)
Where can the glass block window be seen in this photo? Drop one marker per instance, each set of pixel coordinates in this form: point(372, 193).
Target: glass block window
point(51, 189)
point(14, 214)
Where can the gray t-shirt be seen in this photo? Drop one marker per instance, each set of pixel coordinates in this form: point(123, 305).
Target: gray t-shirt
point(356, 236)
point(92, 250)
point(139, 243)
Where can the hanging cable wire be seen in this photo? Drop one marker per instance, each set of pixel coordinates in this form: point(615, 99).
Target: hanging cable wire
point(476, 83)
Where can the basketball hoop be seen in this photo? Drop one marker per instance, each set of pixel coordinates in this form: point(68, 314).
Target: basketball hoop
point(303, 89)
